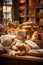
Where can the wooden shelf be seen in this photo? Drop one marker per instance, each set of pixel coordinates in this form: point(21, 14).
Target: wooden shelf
point(32, 16)
point(22, 8)
point(22, 15)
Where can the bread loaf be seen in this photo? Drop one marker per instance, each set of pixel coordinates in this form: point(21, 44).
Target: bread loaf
point(31, 44)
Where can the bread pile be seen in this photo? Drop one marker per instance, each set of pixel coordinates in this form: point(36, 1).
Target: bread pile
point(17, 41)
point(24, 31)
point(30, 27)
point(14, 46)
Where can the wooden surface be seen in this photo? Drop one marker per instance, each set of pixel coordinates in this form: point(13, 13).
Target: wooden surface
point(30, 58)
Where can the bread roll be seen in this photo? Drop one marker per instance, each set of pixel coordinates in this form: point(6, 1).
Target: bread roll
point(20, 46)
point(14, 48)
point(20, 53)
point(11, 52)
point(38, 52)
point(6, 40)
point(36, 36)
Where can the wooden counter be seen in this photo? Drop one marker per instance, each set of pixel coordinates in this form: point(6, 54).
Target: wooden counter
point(30, 58)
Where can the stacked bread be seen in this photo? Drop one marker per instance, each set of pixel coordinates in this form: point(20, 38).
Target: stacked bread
point(15, 46)
point(22, 48)
point(30, 27)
